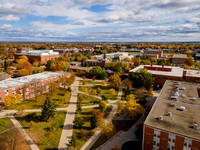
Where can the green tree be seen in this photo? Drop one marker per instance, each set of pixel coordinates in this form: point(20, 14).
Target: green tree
point(154, 60)
point(102, 106)
point(78, 122)
point(94, 121)
point(98, 72)
point(142, 78)
point(48, 110)
point(115, 81)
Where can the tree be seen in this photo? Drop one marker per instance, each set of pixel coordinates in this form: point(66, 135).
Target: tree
point(189, 61)
point(80, 97)
point(102, 106)
point(67, 96)
point(142, 78)
point(78, 122)
point(86, 91)
point(72, 143)
point(23, 57)
point(13, 99)
point(48, 110)
point(31, 125)
point(127, 59)
point(115, 81)
point(149, 92)
point(103, 83)
point(154, 60)
point(107, 127)
point(82, 133)
point(112, 92)
point(132, 109)
point(20, 109)
point(94, 121)
point(26, 65)
point(23, 72)
point(93, 92)
point(98, 72)
point(130, 97)
point(99, 90)
point(36, 63)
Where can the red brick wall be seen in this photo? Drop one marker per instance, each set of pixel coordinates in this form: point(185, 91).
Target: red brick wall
point(148, 138)
point(178, 60)
point(158, 68)
point(30, 91)
point(195, 145)
point(2, 94)
point(160, 79)
point(17, 90)
point(24, 91)
point(179, 144)
point(40, 87)
point(45, 85)
point(163, 140)
point(10, 92)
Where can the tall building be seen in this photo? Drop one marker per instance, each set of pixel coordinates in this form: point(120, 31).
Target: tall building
point(41, 55)
point(30, 85)
point(173, 122)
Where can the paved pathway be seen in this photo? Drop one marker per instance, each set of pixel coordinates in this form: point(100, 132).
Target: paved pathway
point(32, 145)
point(68, 124)
point(98, 133)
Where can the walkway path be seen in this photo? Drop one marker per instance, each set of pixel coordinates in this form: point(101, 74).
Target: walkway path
point(23, 133)
point(98, 133)
point(68, 124)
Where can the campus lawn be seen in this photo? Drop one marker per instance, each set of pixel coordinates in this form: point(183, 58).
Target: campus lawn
point(89, 82)
point(105, 90)
point(89, 100)
point(85, 113)
point(119, 125)
point(57, 96)
point(44, 138)
point(5, 123)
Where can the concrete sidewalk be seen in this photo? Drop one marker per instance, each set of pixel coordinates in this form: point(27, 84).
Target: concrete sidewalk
point(30, 142)
point(68, 124)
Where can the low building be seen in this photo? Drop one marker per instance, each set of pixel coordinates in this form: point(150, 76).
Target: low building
point(41, 55)
point(197, 56)
point(61, 50)
point(149, 53)
point(173, 122)
point(162, 73)
point(4, 76)
point(99, 62)
point(27, 86)
point(178, 59)
point(191, 75)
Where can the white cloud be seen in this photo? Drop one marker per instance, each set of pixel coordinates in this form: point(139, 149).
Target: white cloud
point(11, 8)
point(10, 18)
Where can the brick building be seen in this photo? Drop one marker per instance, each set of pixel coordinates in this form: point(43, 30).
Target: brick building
point(4, 76)
point(99, 62)
point(41, 55)
point(173, 122)
point(27, 86)
point(178, 59)
point(149, 53)
point(162, 73)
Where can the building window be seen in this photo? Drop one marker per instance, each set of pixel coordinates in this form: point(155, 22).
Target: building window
point(158, 142)
point(168, 146)
point(158, 133)
point(154, 141)
point(169, 137)
point(173, 146)
point(174, 138)
point(155, 132)
point(190, 143)
point(185, 142)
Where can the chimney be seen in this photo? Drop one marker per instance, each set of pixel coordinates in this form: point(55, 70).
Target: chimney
point(151, 64)
point(163, 65)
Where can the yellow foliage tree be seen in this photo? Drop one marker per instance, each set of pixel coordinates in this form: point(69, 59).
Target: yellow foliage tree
point(127, 59)
point(130, 97)
point(41, 69)
point(103, 83)
point(23, 72)
point(86, 91)
point(132, 109)
point(107, 127)
point(23, 57)
point(12, 99)
point(115, 81)
point(36, 63)
point(189, 61)
point(186, 67)
point(102, 106)
point(112, 92)
point(20, 61)
point(154, 60)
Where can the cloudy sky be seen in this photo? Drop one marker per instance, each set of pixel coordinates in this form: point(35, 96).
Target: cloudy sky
point(100, 20)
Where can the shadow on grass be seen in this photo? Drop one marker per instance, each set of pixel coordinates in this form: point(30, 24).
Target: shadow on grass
point(31, 117)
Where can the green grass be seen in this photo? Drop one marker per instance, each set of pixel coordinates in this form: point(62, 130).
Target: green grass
point(119, 125)
point(89, 132)
point(89, 100)
point(37, 132)
point(87, 82)
point(5, 123)
point(105, 90)
point(31, 103)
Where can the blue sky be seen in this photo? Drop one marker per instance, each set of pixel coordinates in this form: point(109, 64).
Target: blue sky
point(100, 20)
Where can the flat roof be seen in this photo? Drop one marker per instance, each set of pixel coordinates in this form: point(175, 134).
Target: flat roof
point(175, 71)
point(80, 68)
point(179, 56)
point(14, 82)
point(193, 73)
point(3, 76)
point(181, 122)
point(38, 53)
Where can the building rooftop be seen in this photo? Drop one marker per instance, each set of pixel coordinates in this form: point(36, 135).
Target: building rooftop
point(179, 56)
point(38, 53)
point(184, 109)
point(14, 82)
point(157, 70)
point(193, 73)
point(4, 76)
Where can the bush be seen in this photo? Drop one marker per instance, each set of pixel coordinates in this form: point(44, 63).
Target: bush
point(69, 89)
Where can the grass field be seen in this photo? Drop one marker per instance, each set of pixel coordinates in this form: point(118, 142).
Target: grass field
point(57, 97)
point(89, 100)
point(87, 82)
point(89, 132)
point(5, 123)
point(45, 134)
point(105, 90)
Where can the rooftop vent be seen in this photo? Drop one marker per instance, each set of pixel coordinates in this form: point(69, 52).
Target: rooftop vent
point(173, 105)
point(183, 88)
point(194, 98)
point(183, 95)
point(179, 83)
point(176, 94)
point(169, 114)
point(195, 126)
point(160, 117)
point(182, 108)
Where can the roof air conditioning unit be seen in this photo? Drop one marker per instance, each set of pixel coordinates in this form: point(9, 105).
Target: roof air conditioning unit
point(194, 98)
point(169, 114)
point(183, 88)
point(160, 117)
point(183, 95)
point(195, 126)
point(182, 108)
point(173, 105)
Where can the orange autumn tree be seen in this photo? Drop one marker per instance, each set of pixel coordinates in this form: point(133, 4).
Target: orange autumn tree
point(23, 72)
point(26, 65)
